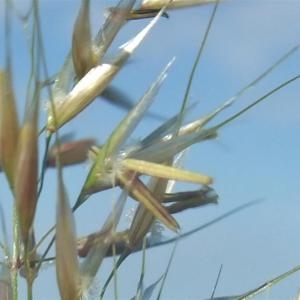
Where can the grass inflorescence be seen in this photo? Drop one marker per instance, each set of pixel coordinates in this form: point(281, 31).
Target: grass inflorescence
point(116, 163)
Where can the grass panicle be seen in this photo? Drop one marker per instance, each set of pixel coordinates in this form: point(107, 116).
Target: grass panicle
point(144, 171)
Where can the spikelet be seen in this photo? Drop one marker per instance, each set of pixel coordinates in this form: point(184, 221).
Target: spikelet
point(70, 153)
point(67, 266)
point(162, 171)
point(66, 107)
point(9, 127)
point(26, 178)
point(82, 54)
point(158, 4)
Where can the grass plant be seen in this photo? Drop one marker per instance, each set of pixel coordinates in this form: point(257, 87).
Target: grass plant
point(117, 163)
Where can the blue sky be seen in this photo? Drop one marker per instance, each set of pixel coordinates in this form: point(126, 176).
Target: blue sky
point(255, 157)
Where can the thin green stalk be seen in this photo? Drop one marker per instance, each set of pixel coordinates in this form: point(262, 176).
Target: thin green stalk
point(13, 260)
point(7, 30)
point(115, 272)
point(43, 238)
point(140, 287)
point(268, 284)
point(264, 74)
point(168, 268)
point(50, 93)
point(43, 258)
point(49, 135)
point(15, 254)
point(29, 293)
point(47, 249)
point(121, 259)
point(217, 282)
point(30, 272)
point(44, 167)
point(264, 97)
point(195, 65)
point(29, 286)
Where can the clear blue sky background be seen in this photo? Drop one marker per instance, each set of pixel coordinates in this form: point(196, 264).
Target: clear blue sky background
point(256, 157)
